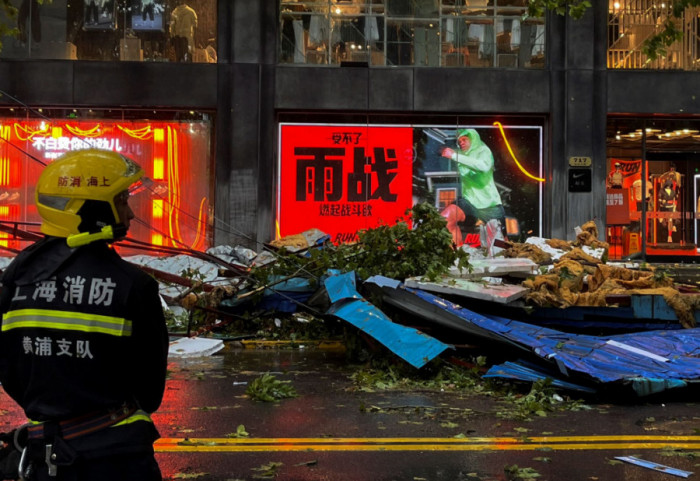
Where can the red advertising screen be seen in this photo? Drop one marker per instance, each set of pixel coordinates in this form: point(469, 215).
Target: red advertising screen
point(174, 155)
point(341, 179)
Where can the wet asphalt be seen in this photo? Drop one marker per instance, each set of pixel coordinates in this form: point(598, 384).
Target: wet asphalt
point(211, 430)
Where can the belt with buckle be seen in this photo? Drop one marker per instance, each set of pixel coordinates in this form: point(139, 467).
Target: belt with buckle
point(85, 424)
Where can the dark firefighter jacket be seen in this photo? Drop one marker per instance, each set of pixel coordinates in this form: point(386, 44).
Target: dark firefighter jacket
point(82, 330)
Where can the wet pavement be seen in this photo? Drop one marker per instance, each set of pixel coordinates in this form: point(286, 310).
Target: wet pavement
point(334, 431)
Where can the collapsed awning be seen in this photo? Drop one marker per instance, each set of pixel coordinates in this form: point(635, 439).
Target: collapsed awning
point(411, 345)
point(648, 362)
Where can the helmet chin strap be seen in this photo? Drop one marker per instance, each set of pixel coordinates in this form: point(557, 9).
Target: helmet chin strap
point(108, 232)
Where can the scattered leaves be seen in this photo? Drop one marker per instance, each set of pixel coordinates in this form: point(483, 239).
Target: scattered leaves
point(240, 432)
point(268, 388)
point(680, 453)
point(541, 400)
point(267, 471)
point(516, 473)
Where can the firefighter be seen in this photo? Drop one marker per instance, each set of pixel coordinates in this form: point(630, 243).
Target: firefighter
point(83, 345)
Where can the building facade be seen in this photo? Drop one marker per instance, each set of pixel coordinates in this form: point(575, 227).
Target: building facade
point(554, 107)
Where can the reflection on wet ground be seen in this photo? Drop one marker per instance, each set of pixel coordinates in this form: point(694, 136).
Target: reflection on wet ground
point(335, 431)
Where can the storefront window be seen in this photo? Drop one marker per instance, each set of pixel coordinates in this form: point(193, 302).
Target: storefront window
point(631, 23)
point(132, 30)
point(346, 177)
point(652, 189)
point(171, 211)
point(423, 33)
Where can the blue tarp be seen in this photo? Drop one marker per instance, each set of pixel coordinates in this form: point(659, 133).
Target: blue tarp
point(650, 361)
point(410, 344)
point(285, 296)
point(524, 371)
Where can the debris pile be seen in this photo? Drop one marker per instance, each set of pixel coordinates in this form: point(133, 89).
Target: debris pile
point(580, 278)
point(409, 274)
point(290, 271)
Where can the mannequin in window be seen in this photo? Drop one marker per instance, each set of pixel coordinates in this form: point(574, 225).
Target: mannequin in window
point(667, 203)
point(672, 174)
point(183, 23)
point(148, 9)
point(107, 8)
point(92, 13)
point(615, 177)
point(637, 189)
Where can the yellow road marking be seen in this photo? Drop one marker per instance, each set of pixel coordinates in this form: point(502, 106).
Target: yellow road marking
point(554, 443)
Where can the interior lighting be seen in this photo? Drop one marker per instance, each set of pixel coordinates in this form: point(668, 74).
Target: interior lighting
point(158, 168)
point(5, 171)
point(80, 132)
point(157, 209)
point(174, 197)
point(141, 134)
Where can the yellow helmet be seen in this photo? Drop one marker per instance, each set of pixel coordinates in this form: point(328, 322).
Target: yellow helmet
point(76, 177)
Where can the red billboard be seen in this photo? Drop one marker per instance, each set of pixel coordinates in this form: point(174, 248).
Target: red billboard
point(346, 177)
point(343, 178)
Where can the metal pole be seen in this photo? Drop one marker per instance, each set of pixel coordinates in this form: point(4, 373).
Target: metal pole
point(643, 220)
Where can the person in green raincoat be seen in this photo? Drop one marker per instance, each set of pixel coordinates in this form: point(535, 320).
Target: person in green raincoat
point(480, 199)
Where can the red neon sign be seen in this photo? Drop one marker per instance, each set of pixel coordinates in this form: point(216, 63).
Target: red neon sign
point(342, 179)
point(174, 155)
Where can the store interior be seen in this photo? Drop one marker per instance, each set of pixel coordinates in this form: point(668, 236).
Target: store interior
point(653, 183)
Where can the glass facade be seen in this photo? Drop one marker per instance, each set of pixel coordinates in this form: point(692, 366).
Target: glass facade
point(632, 22)
point(653, 188)
point(131, 30)
point(172, 210)
point(421, 33)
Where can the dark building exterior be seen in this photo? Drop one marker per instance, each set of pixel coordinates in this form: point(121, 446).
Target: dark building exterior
point(248, 94)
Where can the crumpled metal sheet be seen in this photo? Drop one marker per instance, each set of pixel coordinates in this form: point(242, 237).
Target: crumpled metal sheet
point(649, 361)
point(411, 345)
